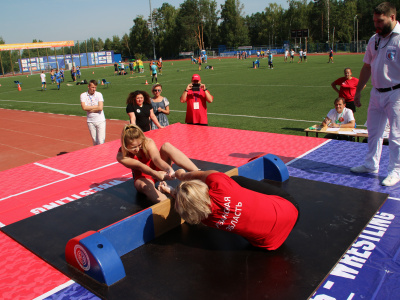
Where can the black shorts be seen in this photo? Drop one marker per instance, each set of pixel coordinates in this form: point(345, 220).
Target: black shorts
point(351, 106)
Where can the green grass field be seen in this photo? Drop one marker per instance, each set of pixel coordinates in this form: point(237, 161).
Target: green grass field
point(286, 100)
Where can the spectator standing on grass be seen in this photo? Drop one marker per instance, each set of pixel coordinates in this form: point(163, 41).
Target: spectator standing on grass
point(381, 64)
point(153, 69)
point(52, 76)
point(159, 66)
point(348, 85)
point(270, 63)
point(300, 56)
point(199, 63)
point(141, 66)
point(140, 110)
point(286, 55)
point(43, 80)
point(58, 79)
point(305, 55)
point(160, 106)
point(92, 102)
point(291, 55)
point(330, 56)
point(78, 72)
point(196, 96)
point(62, 74)
point(73, 74)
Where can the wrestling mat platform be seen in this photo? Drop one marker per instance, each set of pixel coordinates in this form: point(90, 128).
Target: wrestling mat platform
point(345, 245)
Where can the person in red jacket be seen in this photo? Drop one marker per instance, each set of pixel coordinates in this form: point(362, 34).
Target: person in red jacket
point(262, 213)
point(196, 97)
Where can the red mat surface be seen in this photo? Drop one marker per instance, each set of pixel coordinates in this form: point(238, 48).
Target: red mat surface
point(55, 181)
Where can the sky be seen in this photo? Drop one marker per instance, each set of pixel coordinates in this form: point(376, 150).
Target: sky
point(22, 21)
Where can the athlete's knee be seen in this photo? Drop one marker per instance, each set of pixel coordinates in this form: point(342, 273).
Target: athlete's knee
point(166, 147)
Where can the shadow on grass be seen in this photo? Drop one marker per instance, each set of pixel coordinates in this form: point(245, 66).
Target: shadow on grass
point(293, 129)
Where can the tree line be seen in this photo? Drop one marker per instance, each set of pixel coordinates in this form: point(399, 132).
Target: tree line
point(201, 24)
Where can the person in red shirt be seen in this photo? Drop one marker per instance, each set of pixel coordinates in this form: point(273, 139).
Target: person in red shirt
point(148, 164)
point(347, 88)
point(196, 97)
point(262, 213)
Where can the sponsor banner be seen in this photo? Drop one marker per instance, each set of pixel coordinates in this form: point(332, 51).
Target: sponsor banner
point(186, 53)
point(371, 265)
point(65, 61)
point(7, 47)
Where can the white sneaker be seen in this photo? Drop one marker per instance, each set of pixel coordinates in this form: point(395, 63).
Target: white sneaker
point(363, 169)
point(391, 179)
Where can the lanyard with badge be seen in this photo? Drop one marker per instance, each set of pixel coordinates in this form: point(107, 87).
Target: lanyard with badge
point(91, 99)
point(196, 103)
point(378, 42)
point(339, 117)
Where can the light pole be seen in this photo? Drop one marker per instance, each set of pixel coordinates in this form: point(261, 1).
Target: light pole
point(357, 35)
point(152, 31)
point(327, 4)
point(354, 32)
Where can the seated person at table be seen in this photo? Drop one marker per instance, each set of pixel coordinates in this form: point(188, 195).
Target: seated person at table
point(258, 211)
point(341, 117)
point(148, 164)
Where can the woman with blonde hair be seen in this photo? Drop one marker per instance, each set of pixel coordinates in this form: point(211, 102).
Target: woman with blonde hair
point(148, 164)
point(262, 213)
point(160, 106)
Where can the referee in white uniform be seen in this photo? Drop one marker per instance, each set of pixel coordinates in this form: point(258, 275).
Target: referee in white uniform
point(382, 64)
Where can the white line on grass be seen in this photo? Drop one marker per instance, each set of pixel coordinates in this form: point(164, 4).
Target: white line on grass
point(180, 111)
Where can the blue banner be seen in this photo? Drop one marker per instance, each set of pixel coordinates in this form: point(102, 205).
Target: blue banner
point(66, 61)
point(371, 266)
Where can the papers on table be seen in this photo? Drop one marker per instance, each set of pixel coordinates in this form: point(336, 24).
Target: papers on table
point(347, 132)
point(360, 131)
point(332, 129)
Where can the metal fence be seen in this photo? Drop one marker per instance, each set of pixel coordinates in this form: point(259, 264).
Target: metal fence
point(352, 47)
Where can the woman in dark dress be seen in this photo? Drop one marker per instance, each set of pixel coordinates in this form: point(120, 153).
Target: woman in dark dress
point(140, 110)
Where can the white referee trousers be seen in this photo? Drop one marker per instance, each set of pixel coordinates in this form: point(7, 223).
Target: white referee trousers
point(383, 107)
point(97, 132)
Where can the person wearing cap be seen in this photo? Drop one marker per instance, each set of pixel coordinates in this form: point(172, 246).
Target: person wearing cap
point(196, 97)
